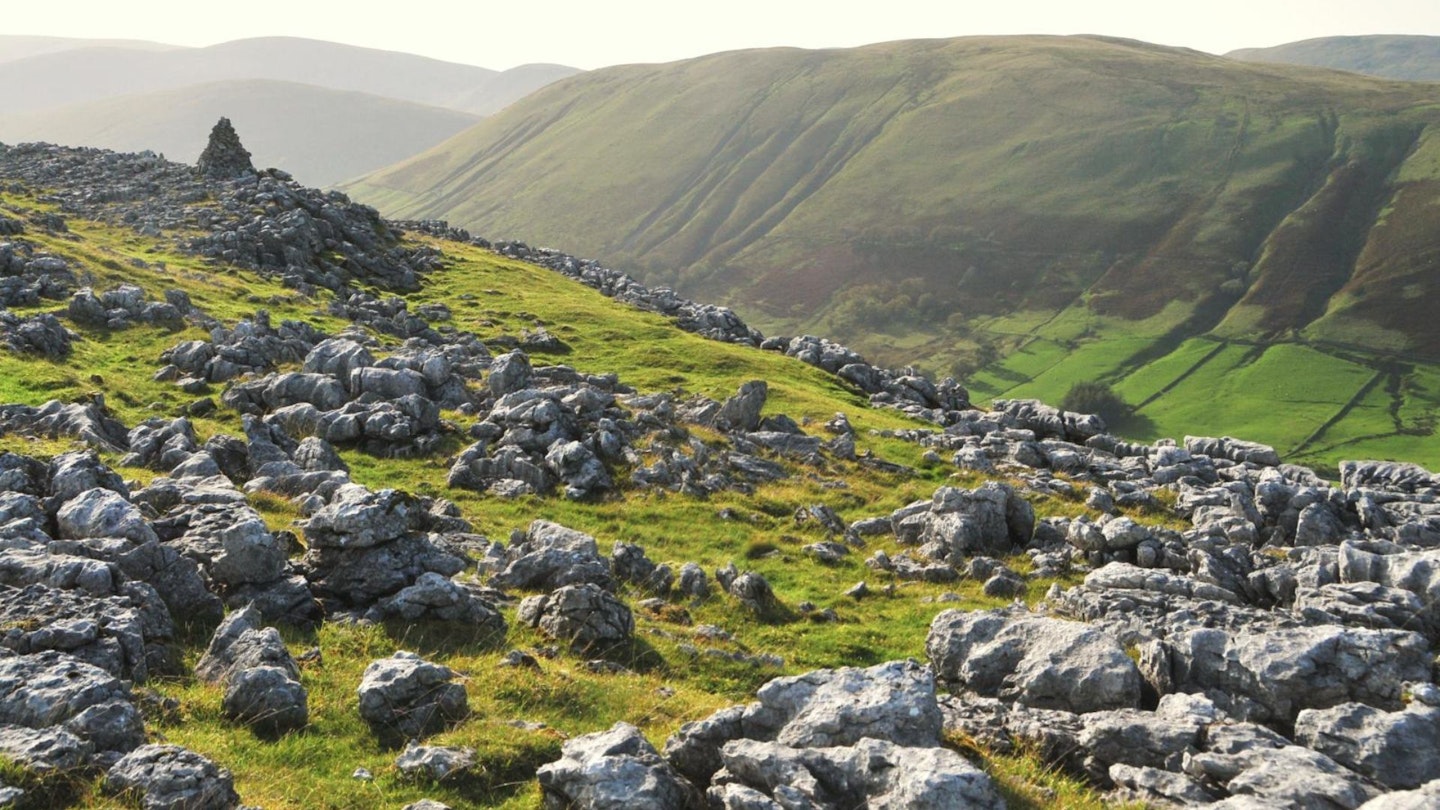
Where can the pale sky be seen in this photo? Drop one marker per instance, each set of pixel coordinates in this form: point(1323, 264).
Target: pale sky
point(595, 33)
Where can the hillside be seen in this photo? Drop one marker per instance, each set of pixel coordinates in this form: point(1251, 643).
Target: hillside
point(362, 132)
point(1411, 58)
point(14, 46)
point(958, 201)
point(300, 507)
point(88, 74)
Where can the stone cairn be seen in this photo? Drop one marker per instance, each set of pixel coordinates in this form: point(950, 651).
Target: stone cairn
point(224, 157)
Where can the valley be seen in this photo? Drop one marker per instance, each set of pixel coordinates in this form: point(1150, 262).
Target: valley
point(952, 202)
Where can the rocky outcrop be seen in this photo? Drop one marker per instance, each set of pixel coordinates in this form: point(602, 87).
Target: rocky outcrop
point(87, 421)
point(54, 690)
point(364, 546)
point(168, 776)
point(123, 634)
point(611, 770)
point(261, 679)
point(832, 738)
point(585, 616)
point(1035, 661)
point(404, 697)
point(550, 556)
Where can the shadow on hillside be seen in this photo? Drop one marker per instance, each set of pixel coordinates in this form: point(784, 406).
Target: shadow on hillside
point(635, 655)
point(1134, 426)
point(443, 637)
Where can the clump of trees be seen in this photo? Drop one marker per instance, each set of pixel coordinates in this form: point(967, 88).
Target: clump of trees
point(889, 307)
point(1097, 398)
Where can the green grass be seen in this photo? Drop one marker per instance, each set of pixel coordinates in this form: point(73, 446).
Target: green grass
point(666, 685)
point(1294, 396)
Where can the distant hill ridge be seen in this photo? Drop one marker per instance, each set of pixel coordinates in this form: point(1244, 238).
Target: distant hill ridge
point(1412, 58)
point(362, 132)
point(13, 46)
point(327, 112)
point(86, 74)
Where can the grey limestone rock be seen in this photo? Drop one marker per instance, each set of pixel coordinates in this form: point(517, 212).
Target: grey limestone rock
point(742, 411)
point(1288, 776)
point(551, 556)
point(435, 763)
point(231, 542)
point(41, 334)
point(405, 697)
point(991, 520)
point(358, 518)
point(20, 567)
point(1425, 797)
point(583, 615)
point(694, 750)
point(1033, 660)
point(1049, 422)
point(578, 468)
point(337, 357)
point(99, 513)
point(71, 474)
point(824, 708)
point(753, 591)
point(386, 383)
point(241, 642)
point(314, 454)
point(1234, 450)
point(894, 701)
point(437, 598)
point(1367, 604)
point(1400, 750)
point(509, 373)
point(266, 698)
point(175, 577)
point(1141, 739)
point(359, 577)
point(1119, 576)
point(88, 421)
point(1157, 787)
point(56, 689)
point(614, 770)
point(115, 633)
point(871, 773)
point(168, 777)
point(1272, 675)
point(693, 581)
point(44, 750)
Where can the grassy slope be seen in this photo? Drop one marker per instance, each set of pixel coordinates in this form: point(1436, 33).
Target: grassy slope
point(1413, 58)
point(361, 132)
point(494, 296)
point(1020, 184)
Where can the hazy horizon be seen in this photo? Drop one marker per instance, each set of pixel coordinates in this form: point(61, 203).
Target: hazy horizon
point(590, 35)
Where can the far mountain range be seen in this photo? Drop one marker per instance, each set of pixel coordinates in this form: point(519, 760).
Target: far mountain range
point(326, 112)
